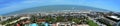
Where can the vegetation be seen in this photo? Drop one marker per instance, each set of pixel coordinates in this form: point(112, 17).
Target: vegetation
point(9, 20)
point(76, 20)
point(58, 19)
point(104, 22)
point(50, 20)
point(34, 18)
point(91, 23)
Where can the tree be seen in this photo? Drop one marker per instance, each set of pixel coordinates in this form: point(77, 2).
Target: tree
point(60, 18)
point(76, 20)
point(34, 18)
point(50, 20)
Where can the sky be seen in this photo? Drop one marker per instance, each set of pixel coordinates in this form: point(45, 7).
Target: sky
point(7, 6)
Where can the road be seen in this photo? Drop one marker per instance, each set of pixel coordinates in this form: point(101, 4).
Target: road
point(95, 21)
point(16, 20)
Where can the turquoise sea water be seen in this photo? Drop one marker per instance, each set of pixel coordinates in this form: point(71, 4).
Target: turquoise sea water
point(34, 24)
point(45, 24)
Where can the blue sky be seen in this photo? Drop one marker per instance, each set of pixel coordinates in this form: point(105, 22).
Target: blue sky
point(7, 6)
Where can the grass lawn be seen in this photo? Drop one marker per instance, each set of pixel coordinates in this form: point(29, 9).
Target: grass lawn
point(91, 23)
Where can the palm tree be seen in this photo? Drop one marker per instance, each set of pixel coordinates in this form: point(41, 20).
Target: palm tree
point(34, 18)
point(60, 18)
point(50, 20)
point(76, 20)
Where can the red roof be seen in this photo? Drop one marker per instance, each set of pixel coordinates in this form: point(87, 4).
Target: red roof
point(18, 24)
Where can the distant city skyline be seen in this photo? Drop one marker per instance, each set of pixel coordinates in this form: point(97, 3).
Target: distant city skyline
point(7, 6)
